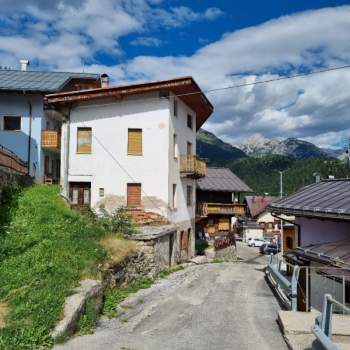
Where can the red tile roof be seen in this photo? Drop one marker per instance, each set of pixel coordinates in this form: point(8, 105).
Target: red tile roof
point(257, 204)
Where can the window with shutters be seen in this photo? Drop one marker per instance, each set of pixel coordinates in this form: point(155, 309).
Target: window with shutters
point(135, 142)
point(84, 139)
point(133, 195)
point(175, 108)
point(189, 195)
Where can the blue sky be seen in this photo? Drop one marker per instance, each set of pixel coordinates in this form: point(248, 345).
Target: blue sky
point(219, 43)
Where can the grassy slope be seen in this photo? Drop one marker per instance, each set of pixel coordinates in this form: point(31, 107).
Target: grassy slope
point(44, 251)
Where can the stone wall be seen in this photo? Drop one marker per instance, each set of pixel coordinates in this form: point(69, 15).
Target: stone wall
point(11, 178)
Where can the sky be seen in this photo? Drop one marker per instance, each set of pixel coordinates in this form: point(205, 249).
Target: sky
point(219, 43)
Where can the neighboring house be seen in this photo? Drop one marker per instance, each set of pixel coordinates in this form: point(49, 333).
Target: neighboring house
point(27, 129)
point(135, 146)
point(219, 199)
point(260, 222)
point(322, 234)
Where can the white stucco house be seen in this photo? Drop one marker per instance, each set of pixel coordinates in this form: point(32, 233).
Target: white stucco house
point(29, 130)
point(135, 146)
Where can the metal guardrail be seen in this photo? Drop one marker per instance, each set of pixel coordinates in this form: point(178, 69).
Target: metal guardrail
point(289, 287)
point(323, 323)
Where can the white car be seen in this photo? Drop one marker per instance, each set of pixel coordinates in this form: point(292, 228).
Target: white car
point(256, 242)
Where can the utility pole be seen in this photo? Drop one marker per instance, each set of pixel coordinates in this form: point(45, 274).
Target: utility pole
point(281, 196)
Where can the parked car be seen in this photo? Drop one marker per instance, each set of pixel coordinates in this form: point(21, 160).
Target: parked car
point(256, 242)
point(271, 248)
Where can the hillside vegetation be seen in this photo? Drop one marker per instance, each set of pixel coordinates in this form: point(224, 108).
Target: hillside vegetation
point(45, 249)
point(262, 175)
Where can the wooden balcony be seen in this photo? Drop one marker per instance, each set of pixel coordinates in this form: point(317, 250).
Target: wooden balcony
point(191, 166)
point(204, 209)
point(51, 139)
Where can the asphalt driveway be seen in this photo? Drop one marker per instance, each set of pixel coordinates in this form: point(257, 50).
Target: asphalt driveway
point(211, 306)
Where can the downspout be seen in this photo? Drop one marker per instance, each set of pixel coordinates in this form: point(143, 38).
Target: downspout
point(65, 137)
point(290, 222)
point(29, 137)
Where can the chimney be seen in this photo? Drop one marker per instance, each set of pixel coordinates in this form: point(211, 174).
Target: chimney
point(104, 80)
point(317, 177)
point(24, 65)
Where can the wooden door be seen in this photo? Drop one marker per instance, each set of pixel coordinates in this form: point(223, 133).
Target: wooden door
point(47, 165)
point(134, 195)
point(80, 193)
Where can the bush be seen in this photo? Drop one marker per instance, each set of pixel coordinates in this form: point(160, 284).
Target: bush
point(201, 246)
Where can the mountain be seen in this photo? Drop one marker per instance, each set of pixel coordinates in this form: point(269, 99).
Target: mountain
point(258, 161)
point(215, 150)
point(259, 146)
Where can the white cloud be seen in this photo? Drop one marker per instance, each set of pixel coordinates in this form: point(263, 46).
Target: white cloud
point(314, 108)
point(146, 41)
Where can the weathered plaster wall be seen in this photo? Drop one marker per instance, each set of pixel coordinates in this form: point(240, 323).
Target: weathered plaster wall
point(315, 231)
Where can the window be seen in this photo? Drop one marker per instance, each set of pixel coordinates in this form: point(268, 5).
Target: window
point(84, 139)
point(189, 195)
point(175, 108)
point(75, 195)
point(101, 192)
point(189, 121)
point(133, 195)
point(175, 146)
point(189, 148)
point(174, 196)
point(12, 123)
point(135, 142)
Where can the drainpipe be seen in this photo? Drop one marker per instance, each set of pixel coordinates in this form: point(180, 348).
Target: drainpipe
point(65, 153)
point(290, 222)
point(29, 136)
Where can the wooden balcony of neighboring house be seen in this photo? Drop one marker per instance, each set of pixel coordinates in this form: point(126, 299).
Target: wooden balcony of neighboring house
point(193, 167)
point(51, 140)
point(235, 209)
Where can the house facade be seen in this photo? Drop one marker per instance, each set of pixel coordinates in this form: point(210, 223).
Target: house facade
point(27, 128)
point(135, 146)
point(219, 202)
point(322, 234)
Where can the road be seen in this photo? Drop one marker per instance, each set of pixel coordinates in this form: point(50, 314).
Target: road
point(211, 306)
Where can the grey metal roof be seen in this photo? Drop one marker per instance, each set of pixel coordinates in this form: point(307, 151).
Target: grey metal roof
point(327, 199)
point(223, 180)
point(16, 80)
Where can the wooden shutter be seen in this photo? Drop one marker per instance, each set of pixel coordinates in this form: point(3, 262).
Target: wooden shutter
point(224, 224)
point(189, 195)
point(134, 195)
point(84, 138)
point(135, 142)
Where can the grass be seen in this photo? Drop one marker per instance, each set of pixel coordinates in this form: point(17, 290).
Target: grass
point(118, 248)
point(45, 249)
point(114, 296)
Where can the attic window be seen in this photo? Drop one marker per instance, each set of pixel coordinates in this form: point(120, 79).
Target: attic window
point(189, 121)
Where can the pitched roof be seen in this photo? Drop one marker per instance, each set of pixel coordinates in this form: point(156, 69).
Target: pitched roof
point(257, 204)
point(37, 81)
point(326, 199)
point(184, 87)
point(222, 180)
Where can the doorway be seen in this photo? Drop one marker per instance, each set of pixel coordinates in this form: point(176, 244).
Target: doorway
point(80, 193)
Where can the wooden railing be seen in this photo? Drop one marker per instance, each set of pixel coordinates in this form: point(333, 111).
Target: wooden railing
point(205, 209)
point(192, 166)
point(9, 160)
point(51, 139)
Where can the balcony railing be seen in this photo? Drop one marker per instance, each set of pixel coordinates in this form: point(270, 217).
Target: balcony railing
point(191, 166)
point(204, 209)
point(51, 139)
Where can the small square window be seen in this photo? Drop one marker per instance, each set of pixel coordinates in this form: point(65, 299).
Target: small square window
point(101, 192)
point(174, 196)
point(12, 123)
point(189, 121)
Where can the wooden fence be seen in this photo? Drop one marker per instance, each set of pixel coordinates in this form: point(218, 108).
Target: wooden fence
point(10, 161)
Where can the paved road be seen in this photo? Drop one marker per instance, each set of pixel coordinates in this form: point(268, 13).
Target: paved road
point(212, 306)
